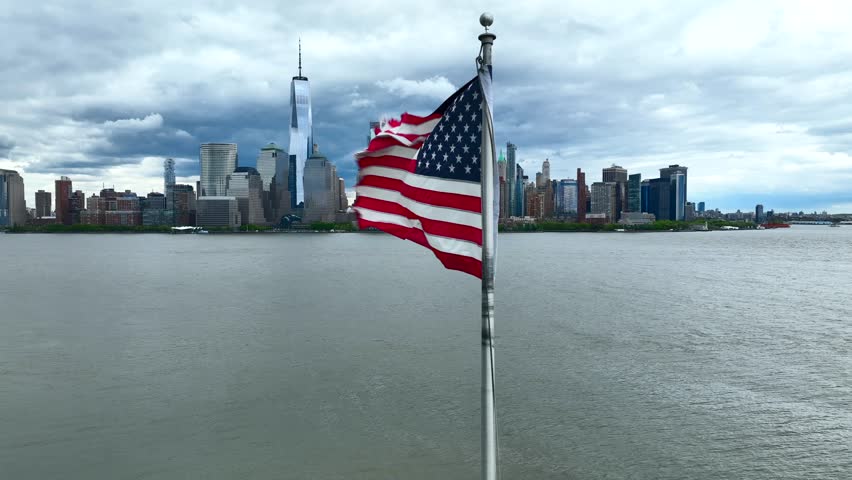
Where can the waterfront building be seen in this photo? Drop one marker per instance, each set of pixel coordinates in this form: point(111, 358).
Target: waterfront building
point(634, 193)
point(502, 184)
point(645, 197)
point(700, 207)
point(759, 216)
point(246, 185)
point(615, 174)
point(168, 181)
point(321, 189)
point(218, 211)
point(94, 214)
point(636, 218)
point(13, 206)
point(301, 135)
point(659, 199)
point(218, 160)
point(667, 172)
point(183, 213)
point(43, 204)
point(267, 164)
point(77, 204)
point(154, 210)
point(582, 196)
point(534, 201)
point(566, 198)
point(512, 179)
point(341, 194)
point(604, 199)
point(63, 200)
point(545, 170)
point(618, 175)
point(689, 213)
point(678, 195)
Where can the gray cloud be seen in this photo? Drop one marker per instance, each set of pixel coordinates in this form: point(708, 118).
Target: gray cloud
point(753, 97)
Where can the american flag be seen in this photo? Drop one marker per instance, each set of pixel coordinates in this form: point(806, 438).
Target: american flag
point(419, 180)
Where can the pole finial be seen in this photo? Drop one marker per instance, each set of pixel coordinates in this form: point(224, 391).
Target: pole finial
point(486, 19)
point(300, 56)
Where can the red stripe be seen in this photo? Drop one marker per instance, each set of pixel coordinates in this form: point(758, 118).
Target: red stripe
point(380, 143)
point(388, 161)
point(422, 195)
point(412, 119)
point(451, 261)
point(434, 227)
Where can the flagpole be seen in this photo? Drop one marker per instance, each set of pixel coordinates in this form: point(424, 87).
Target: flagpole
point(489, 240)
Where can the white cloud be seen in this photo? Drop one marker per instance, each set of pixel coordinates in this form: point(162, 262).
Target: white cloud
point(150, 122)
point(437, 87)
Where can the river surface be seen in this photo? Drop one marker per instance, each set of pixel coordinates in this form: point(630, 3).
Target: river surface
point(718, 355)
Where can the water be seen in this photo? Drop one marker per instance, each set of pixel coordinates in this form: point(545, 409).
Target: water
point(647, 356)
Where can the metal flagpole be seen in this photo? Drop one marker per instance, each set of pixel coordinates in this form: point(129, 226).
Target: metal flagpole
point(489, 241)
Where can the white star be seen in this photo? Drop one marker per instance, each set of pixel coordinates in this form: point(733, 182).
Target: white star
point(441, 127)
point(447, 137)
point(467, 107)
point(475, 95)
point(452, 148)
point(440, 146)
point(429, 147)
point(458, 158)
point(438, 167)
point(427, 164)
point(445, 157)
point(458, 138)
point(454, 106)
point(473, 116)
point(466, 169)
point(466, 127)
point(453, 128)
point(465, 147)
point(461, 118)
point(452, 169)
point(433, 157)
point(479, 126)
point(473, 138)
point(474, 160)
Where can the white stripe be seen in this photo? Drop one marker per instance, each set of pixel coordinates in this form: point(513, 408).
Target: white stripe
point(425, 210)
point(423, 181)
point(444, 244)
point(395, 151)
point(401, 139)
point(408, 129)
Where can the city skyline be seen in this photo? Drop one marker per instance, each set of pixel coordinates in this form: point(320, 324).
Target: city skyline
point(717, 94)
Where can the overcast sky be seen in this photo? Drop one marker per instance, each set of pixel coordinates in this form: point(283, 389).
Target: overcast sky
point(754, 97)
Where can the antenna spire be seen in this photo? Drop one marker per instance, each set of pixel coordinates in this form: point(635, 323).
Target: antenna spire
point(300, 56)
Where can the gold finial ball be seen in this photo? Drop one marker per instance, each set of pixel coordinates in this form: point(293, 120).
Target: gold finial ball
point(486, 19)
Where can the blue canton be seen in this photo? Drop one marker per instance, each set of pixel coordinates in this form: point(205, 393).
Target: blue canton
point(452, 149)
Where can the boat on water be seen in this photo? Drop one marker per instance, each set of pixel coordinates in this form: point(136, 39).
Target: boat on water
point(728, 227)
point(775, 225)
point(834, 225)
point(760, 227)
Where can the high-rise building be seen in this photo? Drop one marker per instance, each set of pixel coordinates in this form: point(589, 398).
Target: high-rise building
point(666, 173)
point(341, 194)
point(581, 196)
point(267, 164)
point(545, 170)
point(246, 185)
point(634, 193)
point(659, 198)
point(217, 212)
point(615, 174)
point(700, 207)
point(43, 203)
point(218, 160)
point(63, 200)
point(604, 198)
point(678, 195)
point(373, 127)
point(77, 204)
point(502, 183)
point(321, 196)
point(520, 191)
point(154, 209)
point(301, 126)
point(512, 178)
point(13, 206)
point(759, 216)
point(169, 181)
point(183, 213)
point(645, 196)
point(566, 198)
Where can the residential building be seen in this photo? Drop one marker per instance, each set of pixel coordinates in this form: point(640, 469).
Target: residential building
point(168, 181)
point(13, 206)
point(512, 179)
point(604, 199)
point(218, 160)
point(154, 210)
point(63, 201)
point(44, 204)
point(582, 196)
point(567, 195)
point(183, 213)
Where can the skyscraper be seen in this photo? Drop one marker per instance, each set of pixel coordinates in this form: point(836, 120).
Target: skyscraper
point(566, 198)
point(678, 195)
point(63, 200)
point(700, 207)
point(218, 160)
point(519, 191)
point(645, 188)
point(13, 207)
point(759, 216)
point(43, 203)
point(617, 175)
point(321, 188)
point(634, 193)
point(512, 178)
point(545, 170)
point(267, 163)
point(169, 181)
point(659, 198)
point(341, 193)
point(301, 126)
point(666, 173)
point(581, 196)
point(603, 199)
point(245, 184)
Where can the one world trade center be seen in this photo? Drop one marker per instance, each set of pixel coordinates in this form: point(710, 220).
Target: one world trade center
point(301, 127)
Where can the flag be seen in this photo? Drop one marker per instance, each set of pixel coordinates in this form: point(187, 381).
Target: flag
point(419, 179)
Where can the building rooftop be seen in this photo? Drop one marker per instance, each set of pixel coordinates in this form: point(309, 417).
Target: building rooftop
point(250, 170)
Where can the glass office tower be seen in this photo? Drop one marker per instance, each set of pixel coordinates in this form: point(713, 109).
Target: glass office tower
point(218, 160)
point(301, 126)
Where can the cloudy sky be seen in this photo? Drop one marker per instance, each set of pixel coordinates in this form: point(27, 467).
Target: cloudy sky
point(754, 97)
